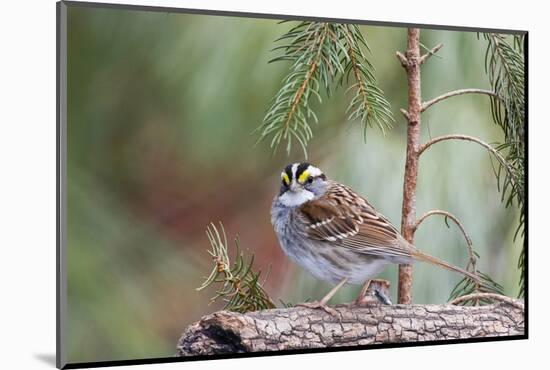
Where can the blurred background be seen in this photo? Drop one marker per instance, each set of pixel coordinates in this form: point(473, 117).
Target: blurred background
point(161, 109)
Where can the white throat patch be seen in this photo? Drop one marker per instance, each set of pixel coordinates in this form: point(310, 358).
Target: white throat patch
point(294, 199)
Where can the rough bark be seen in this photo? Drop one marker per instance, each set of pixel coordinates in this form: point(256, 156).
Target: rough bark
point(297, 328)
point(411, 62)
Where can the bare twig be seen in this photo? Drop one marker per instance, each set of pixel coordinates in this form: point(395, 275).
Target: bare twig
point(460, 226)
point(474, 139)
point(404, 113)
point(429, 103)
point(402, 59)
point(425, 57)
point(493, 296)
point(425, 146)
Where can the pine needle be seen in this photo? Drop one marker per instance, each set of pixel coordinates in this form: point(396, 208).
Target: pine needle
point(321, 53)
point(504, 64)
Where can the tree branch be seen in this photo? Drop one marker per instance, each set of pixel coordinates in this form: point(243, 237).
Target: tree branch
point(297, 328)
point(411, 63)
point(429, 103)
point(426, 56)
point(401, 59)
point(474, 139)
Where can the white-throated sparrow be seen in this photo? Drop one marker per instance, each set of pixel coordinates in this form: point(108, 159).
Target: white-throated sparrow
point(334, 233)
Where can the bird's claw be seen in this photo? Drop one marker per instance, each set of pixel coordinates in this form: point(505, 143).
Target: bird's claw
point(377, 297)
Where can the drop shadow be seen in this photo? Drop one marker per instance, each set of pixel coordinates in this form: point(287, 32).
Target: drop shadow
point(47, 358)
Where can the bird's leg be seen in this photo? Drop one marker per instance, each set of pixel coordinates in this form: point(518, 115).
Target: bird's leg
point(333, 291)
point(361, 297)
point(322, 304)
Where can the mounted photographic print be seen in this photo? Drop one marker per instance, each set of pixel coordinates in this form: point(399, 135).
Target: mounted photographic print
point(235, 184)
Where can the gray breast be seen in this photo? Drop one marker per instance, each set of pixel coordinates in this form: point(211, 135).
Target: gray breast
point(289, 229)
point(323, 260)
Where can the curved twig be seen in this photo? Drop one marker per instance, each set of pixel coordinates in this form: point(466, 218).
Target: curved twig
point(429, 103)
point(473, 139)
point(460, 226)
point(489, 148)
point(493, 296)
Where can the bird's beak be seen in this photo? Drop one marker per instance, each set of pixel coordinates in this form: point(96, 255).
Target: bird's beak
point(294, 187)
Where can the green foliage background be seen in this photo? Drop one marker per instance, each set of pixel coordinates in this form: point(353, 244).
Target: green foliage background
point(160, 113)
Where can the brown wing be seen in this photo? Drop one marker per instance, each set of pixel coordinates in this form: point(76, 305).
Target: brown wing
point(343, 217)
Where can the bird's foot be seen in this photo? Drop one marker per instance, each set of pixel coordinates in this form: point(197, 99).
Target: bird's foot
point(376, 298)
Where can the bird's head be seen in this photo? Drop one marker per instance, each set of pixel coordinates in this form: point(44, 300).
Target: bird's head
point(301, 182)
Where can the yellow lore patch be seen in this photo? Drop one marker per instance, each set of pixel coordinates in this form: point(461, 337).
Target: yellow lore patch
point(303, 177)
point(285, 178)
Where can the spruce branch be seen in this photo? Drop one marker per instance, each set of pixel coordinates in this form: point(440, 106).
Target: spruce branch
point(505, 68)
point(311, 47)
point(321, 53)
point(467, 287)
point(240, 285)
point(368, 105)
point(504, 65)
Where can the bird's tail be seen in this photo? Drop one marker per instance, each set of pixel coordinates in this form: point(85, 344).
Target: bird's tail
point(421, 256)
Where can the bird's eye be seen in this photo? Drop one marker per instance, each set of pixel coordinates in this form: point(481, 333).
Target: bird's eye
point(310, 180)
